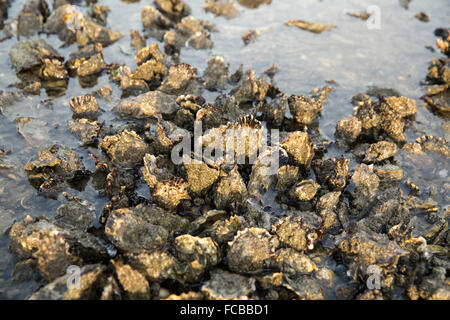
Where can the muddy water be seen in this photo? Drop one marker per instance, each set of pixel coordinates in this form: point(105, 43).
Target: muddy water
point(354, 56)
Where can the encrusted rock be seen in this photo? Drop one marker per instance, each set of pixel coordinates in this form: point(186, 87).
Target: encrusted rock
point(155, 171)
point(54, 249)
point(168, 194)
point(292, 233)
point(155, 24)
point(381, 151)
point(287, 176)
point(190, 31)
point(99, 13)
point(87, 131)
point(250, 36)
point(265, 170)
point(300, 147)
point(333, 172)
point(76, 213)
point(39, 58)
point(150, 104)
point(239, 141)
point(400, 106)
point(191, 295)
point(87, 61)
point(180, 80)
point(155, 265)
point(249, 88)
point(54, 165)
point(197, 254)
point(32, 17)
point(305, 110)
point(131, 231)
point(389, 172)
point(253, 4)
point(223, 231)
point(142, 227)
point(129, 86)
point(434, 144)
point(385, 117)
point(291, 261)
point(93, 278)
point(225, 8)
point(367, 248)
point(151, 71)
point(230, 189)
point(348, 129)
point(200, 176)
point(251, 250)
point(84, 107)
point(304, 286)
point(327, 207)
point(137, 40)
point(73, 26)
point(152, 52)
point(104, 92)
point(366, 183)
point(134, 284)
point(45, 242)
point(125, 149)
point(4, 5)
point(225, 285)
point(305, 190)
point(174, 9)
point(275, 110)
point(215, 76)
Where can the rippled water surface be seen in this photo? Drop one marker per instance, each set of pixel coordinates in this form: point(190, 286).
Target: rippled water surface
point(354, 56)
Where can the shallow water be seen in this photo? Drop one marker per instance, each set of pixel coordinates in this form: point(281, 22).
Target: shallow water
point(354, 56)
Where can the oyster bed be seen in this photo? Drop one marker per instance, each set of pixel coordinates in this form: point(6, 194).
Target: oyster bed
point(96, 97)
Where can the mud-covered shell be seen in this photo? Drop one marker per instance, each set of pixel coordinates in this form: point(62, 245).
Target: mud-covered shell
point(151, 52)
point(215, 76)
point(348, 129)
point(125, 149)
point(381, 151)
point(71, 25)
point(181, 79)
point(149, 104)
point(57, 161)
point(371, 249)
point(434, 144)
point(304, 109)
point(300, 147)
point(92, 280)
point(198, 255)
point(225, 285)
point(251, 250)
point(168, 194)
point(305, 190)
point(230, 189)
point(27, 54)
point(174, 9)
point(134, 284)
point(132, 232)
point(200, 176)
point(226, 8)
point(155, 23)
point(84, 107)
